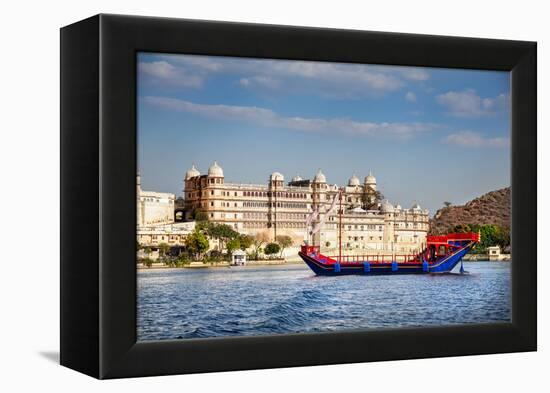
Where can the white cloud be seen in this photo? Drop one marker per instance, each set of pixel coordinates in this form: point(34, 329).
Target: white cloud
point(410, 96)
point(356, 76)
point(166, 74)
point(415, 73)
point(475, 140)
point(268, 118)
point(324, 78)
point(260, 81)
point(204, 63)
point(468, 104)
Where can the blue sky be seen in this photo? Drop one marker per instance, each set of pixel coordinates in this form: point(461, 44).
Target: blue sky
point(429, 135)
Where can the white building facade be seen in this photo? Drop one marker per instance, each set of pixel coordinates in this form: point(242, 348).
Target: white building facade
point(153, 207)
point(281, 208)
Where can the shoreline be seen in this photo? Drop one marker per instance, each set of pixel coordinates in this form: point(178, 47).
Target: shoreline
point(216, 265)
point(485, 257)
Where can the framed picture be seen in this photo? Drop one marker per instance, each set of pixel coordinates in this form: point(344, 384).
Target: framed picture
point(240, 196)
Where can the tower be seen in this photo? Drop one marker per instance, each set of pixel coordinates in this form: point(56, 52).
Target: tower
point(190, 175)
point(319, 194)
point(276, 183)
point(389, 225)
point(215, 174)
point(191, 183)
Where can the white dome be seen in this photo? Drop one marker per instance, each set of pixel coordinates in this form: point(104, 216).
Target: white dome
point(370, 179)
point(193, 172)
point(354, 181)
point(398, 207)
point(277, 176)
point(297, 178)
point(416, 206)
point(215, 170)
point(386, 207)
point(319, 177)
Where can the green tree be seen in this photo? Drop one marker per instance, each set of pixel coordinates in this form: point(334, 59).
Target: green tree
point(371, 198)
point(233, 244)
point(197, 243)
point(246, 241)
point(222, 232)
point(147, 260)
point(284, 241)
point(447, 203)
point(260, 239)
point(164, 249)
point(272, 248)
point(462, 228)
point(491, 235)
point(203, 226)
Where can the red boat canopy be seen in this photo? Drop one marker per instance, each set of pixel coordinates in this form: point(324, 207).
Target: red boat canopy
point(450, 237)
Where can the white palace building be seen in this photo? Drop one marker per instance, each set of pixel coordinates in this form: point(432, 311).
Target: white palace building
point(282, 208)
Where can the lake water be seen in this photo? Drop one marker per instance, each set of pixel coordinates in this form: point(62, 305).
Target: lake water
point(243, 301)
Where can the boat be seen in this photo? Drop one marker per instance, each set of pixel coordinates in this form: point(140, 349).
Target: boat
point(441, 255)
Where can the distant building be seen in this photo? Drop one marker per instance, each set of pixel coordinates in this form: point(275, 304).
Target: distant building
point(153, 207)
point(368, 224)
point(238, 258)
point(172, 234)
point(494, 253)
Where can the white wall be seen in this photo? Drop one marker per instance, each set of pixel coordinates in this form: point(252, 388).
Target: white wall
point(30, 167)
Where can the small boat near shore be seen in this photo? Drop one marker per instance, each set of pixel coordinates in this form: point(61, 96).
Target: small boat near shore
point(441, 255)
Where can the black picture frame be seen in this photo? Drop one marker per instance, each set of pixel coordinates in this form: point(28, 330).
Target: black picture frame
point(98, 194)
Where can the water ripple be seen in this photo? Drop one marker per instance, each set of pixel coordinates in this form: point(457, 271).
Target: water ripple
point(183, 303)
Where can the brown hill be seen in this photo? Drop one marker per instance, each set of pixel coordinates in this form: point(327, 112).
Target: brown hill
point(491, 208)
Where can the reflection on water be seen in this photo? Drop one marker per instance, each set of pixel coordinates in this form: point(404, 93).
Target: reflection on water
point(238, 301)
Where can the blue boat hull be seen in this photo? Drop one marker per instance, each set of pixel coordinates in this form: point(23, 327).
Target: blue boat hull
point(443, 265)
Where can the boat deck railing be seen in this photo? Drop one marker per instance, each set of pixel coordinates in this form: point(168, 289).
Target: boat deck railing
point(382, 258)
point(371, 258)
point(315, 251)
